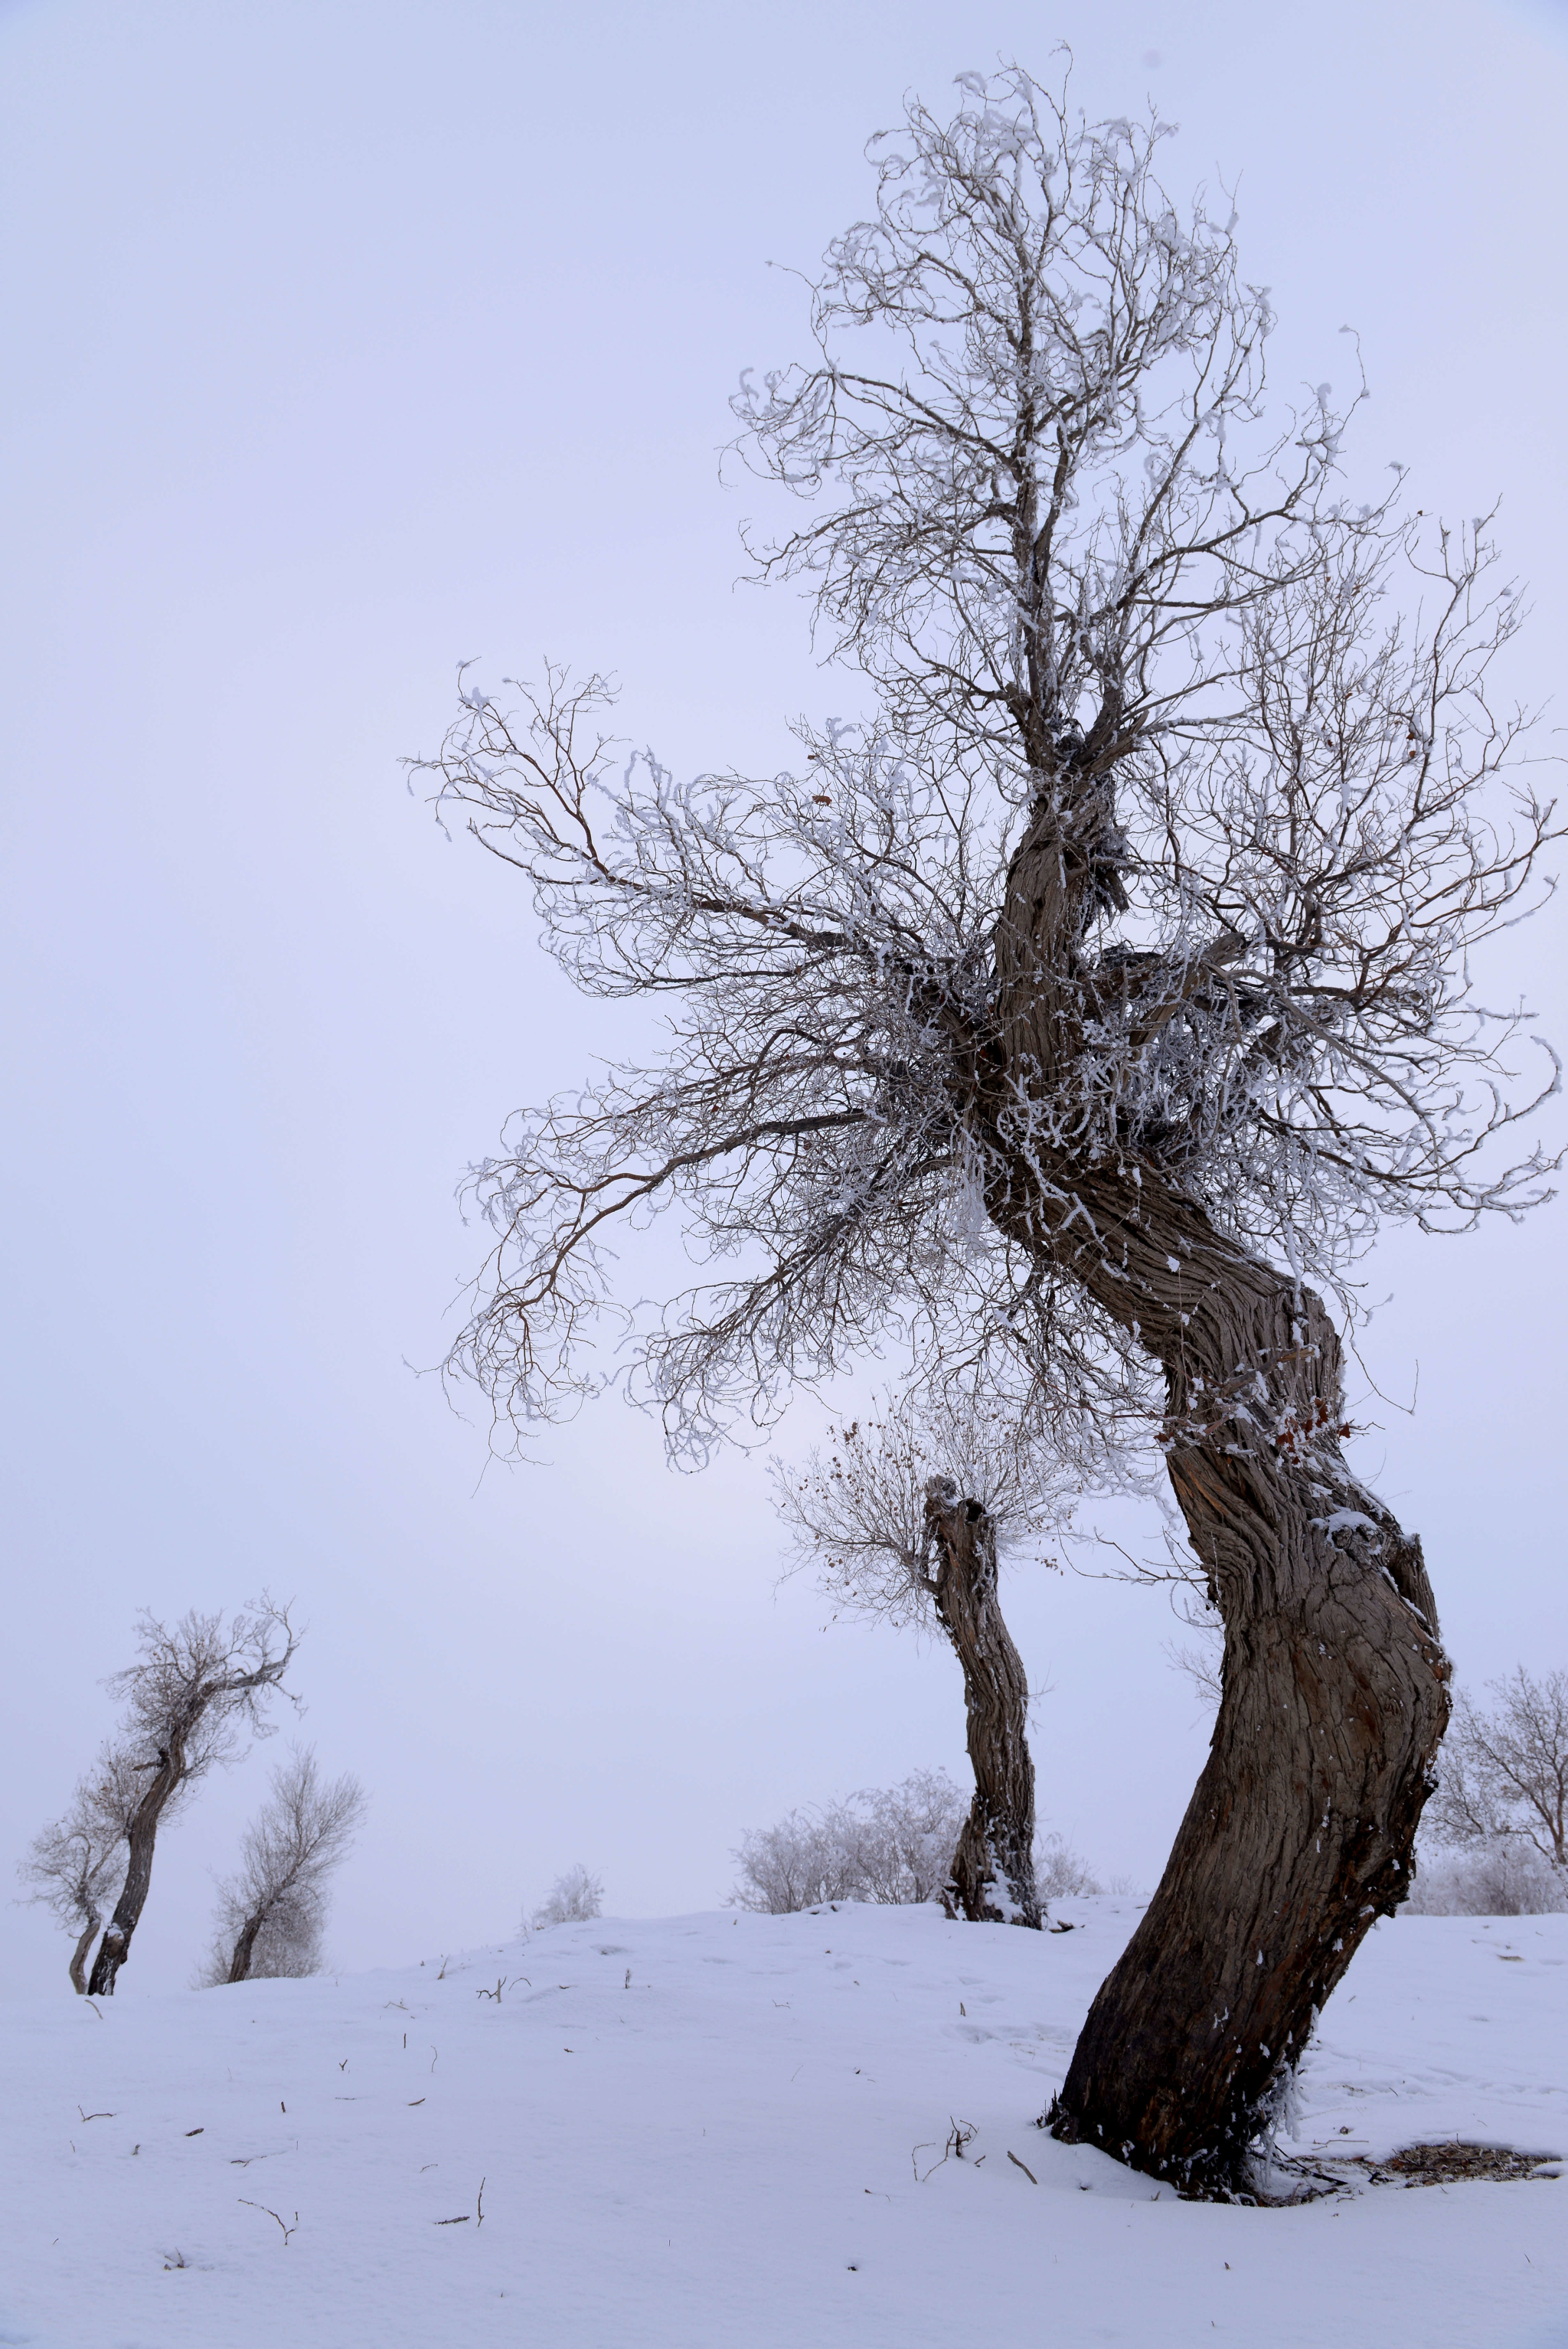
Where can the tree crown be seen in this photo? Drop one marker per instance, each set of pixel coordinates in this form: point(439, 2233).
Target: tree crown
point(1181, 818)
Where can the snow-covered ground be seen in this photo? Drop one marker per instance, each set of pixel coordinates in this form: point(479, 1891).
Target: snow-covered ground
point(729, 2130)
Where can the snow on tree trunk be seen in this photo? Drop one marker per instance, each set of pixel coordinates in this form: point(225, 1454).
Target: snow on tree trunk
point(1301, 1829)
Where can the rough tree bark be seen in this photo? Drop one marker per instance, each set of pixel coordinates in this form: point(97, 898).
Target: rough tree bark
point(245, 1948)
point(993, 1875)
point(142, 1835)
point(1300, 1830)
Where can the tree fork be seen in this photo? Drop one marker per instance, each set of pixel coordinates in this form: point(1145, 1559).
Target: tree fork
point(1335, 1695)
point(998, 1836)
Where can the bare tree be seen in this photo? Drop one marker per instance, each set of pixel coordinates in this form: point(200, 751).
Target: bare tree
point(76, 1863)
point(195, 1690)
point(272, 1912)
point(1095, 1000)
point(1503, 1774)
point(576, 1895)
point(904, 1518)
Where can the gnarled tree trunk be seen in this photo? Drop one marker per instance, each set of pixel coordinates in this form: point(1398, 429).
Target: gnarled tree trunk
point(141, 1835)
point(1334, 1700)
point(1334, 1685)
point(993, 1877)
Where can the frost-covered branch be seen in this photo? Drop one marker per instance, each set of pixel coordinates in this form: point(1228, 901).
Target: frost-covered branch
point(856, 1512)
point(1241, 725)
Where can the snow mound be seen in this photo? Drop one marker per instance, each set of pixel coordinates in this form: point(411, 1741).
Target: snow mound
point(727, 2132)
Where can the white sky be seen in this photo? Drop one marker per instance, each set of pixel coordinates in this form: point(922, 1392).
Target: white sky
point(347, 341)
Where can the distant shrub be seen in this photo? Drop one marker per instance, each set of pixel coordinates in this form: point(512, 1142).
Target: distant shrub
point(1061, 1874)
point(891, 1845)
point(908, 1842)
point(571, 1899)
point(806, 1857)
point(1500, 1878)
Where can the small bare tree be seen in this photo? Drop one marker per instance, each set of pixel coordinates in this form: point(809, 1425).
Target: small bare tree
point(1098, 998)
point(1503, 1775)
point(904, 1518)
point(76, 1864)
point(272, 1912)
point(194, 1692)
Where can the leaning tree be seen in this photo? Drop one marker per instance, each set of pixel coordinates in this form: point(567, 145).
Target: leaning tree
point(1097, 996)
point(76, 1863)
point(903, 1516)
point(193, 1691)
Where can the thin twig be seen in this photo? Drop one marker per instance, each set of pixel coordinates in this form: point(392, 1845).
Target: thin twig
point(287, 2231)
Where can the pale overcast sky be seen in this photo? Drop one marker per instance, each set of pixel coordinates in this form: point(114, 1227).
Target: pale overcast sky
point(347, 341)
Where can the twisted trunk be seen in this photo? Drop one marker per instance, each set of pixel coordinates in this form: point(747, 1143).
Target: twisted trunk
point(142, 1835)
point(1334, 1685)
point(79, 1959)
point(992, 1874)
point(1334, 1700)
